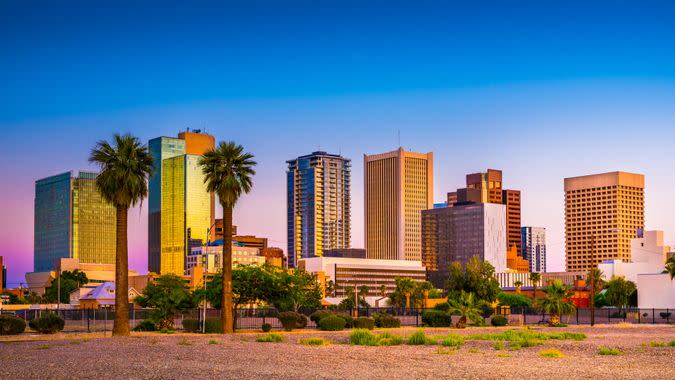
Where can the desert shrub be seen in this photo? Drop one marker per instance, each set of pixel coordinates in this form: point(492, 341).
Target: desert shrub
point(442, 307)
point(655, 343)
point(452, 340)
point(11, 325)
point(146, 325)
point(437, 318)
point(266, 327)
point(363, 337)
point(419, 338)
point(499, 320)
point(349, 320)
point(302, 321)
point(191, 325)
point(364, 323)
point(671, 343)
point(289, 320)
point(609, 351)
point(48, 323)
point(389, 339)
point(270, 338)
point(184, 342)
point(213, 325)
point(499, 346)
point(332, 323)
point(551, 353)
point(386, 321)
point(319, 315)
point(314, 342)
point(166, 330)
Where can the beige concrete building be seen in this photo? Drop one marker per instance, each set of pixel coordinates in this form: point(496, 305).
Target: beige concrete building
point(603, 212)
point(398, 185)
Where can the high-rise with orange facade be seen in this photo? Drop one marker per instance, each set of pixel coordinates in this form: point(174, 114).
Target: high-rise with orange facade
point(603, 212)
point(398, 186)
point(180, 209)
point(487, 188)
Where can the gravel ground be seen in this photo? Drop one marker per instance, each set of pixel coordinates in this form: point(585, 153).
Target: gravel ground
point(158, 356)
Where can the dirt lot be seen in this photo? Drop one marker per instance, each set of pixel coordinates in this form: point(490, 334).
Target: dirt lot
point(178, 356)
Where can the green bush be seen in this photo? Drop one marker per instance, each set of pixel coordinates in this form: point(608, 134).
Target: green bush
point(266, 327)
point(302, 321)
point(11, 325)
point(319, 315)
point(48, 323)
point(386, 321)
point(270, 338)
point(499, 320)
point(389, 339)
point(146, 325)
point(191, 325)
point(332, 323)
point(362, 337)
point(671, 343)
point(364, 323)
point(349, 320)
point(315, 342)
point(609, 351)
point(289, 320)
point(419, 338)
point(437, 318)
point(442, 307)
point(452, 340)
point(214, 325)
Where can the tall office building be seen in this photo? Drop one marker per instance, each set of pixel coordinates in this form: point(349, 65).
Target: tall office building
point(319, 202)
point(534, 247)
point(487, 188)
point(180, 210)
point(72, 221)
point(458, 233)
point(603, 212)
point(398, 186)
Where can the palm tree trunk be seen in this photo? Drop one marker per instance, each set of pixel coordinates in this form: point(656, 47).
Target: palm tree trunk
point(121, 324)
point(227, 315)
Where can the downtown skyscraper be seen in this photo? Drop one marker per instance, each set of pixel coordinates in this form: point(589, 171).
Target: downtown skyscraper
point(318, 205)
point(72, 221)
point(398, 185)
point(180, 209)
point(534, 247)
point(603, 212)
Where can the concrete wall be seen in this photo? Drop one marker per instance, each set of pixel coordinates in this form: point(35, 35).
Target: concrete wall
point(656, 291)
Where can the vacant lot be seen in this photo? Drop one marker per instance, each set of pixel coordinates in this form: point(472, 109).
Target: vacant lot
point(180, 356)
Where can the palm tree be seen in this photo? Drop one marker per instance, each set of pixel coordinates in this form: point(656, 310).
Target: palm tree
point(125, 168)
point(535, 278)
point(518, 284)
point(406, 286)
point(363, 293)
point(594, 277)
point(670, 267)
point(466, 307)
point(383, 290)
point(555, 302)
point(228, 172)
point(425, 287)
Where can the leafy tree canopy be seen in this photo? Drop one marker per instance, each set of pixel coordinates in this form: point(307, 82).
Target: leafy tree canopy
point(619, 291)
point(168, 295)
point(476, 277)
point(70, 281)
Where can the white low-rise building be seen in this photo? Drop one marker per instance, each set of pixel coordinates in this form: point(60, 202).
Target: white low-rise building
point(373, 273)
point(656, 291)
point(648, 255)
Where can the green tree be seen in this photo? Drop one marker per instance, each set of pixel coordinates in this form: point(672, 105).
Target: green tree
point(476, 277)
point(596, 282)
point(513, 300)
point(536, 279)
point(70, 281)
point(228, 172)
point(619, 291)
point(296, 289)
point(330, 288)
point(403, 294)
point(556, 301)
point(13, 299)
point(125, 168)
point(670, 267)
point(168, 295)
point(466, 307)
point(362, 294)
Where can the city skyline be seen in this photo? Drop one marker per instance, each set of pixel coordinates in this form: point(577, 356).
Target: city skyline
point(540, 102)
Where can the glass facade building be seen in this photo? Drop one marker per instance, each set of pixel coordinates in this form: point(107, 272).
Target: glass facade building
point(534, 247)
point(72, 221)
point(318, 199)
point(180, 210)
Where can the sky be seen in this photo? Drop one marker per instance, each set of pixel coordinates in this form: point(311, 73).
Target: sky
point(540, 90)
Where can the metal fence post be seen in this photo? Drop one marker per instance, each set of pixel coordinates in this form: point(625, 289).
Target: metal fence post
point(577, 316)
point(105, 320)
point(653, 316)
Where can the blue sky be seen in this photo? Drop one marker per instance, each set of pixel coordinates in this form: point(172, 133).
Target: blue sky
point(537, 89)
